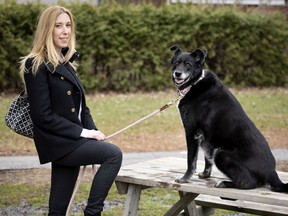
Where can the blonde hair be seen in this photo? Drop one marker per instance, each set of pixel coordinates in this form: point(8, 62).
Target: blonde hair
point(43, 49)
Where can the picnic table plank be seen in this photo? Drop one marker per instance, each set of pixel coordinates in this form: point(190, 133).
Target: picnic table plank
point(241, 206)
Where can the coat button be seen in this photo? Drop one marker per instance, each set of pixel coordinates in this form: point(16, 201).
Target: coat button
point(62, 78)
point(73, 110)
point(68, 92)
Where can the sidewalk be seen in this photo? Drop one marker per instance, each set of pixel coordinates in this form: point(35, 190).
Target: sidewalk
point(28, 162)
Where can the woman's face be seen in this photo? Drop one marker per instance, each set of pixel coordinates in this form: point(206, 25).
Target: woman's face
point(62, 31)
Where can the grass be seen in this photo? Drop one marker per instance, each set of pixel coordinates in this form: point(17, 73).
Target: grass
point(268, 108)
point(153, 202)
point(20, 188)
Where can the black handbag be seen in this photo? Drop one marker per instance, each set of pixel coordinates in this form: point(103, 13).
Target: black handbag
point(18, 116)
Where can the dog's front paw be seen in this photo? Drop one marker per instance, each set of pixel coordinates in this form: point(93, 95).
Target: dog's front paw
point(204, 175)
point(182, 180)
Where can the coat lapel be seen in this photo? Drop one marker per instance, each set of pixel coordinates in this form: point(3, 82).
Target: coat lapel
point(75, 77)
point(67, 72)
point(62, 70)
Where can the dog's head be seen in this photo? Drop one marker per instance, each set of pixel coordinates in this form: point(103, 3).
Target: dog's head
point(186, 67)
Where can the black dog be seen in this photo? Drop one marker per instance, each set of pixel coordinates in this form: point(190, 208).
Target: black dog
point(214, 119)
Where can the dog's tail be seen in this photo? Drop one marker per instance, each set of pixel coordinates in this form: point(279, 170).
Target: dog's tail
point(276, 184)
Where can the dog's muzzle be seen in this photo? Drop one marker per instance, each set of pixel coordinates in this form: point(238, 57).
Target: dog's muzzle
point(179, 80)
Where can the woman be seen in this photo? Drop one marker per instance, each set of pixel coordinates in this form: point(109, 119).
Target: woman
point(64, 131)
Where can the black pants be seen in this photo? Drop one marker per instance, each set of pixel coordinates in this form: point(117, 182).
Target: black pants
point(65, 172)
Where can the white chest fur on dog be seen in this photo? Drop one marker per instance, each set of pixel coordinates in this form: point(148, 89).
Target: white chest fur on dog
point(209, 152)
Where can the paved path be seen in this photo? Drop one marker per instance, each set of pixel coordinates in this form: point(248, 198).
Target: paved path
point(27, 162)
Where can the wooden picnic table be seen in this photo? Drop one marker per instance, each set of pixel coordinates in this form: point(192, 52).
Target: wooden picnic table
point(199, 196)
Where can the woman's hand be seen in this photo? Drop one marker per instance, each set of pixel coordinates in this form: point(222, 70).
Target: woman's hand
point(93, 134)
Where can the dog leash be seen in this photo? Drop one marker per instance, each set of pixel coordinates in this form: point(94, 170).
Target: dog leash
point(81, 174)
point(146, 117)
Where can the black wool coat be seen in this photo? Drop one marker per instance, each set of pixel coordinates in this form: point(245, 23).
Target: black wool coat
point(54, 98)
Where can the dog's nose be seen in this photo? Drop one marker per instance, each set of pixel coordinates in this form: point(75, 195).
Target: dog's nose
point(177, 73)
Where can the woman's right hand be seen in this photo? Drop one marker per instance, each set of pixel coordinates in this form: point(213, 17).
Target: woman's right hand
point(93, 134)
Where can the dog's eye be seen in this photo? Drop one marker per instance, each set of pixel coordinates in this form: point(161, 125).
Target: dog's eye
point(188, 64)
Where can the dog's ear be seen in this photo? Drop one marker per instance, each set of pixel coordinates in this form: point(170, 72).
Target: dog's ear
point(199, 55)
point(176, 50)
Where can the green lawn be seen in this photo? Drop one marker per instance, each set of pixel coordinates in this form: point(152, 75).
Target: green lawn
point(268, 108)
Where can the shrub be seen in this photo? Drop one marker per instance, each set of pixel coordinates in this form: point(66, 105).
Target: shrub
point(126, 48)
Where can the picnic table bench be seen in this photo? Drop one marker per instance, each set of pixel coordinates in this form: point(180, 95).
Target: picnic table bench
point(199, 196)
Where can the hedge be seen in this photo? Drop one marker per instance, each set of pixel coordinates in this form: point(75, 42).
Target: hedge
point(126, 48)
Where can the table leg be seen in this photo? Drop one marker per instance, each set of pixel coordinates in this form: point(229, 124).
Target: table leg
point(132, 200)
point(191, 208)
point(181, 204)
